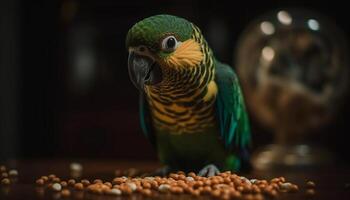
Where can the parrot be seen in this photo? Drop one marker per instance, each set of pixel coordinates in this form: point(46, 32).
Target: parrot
point(191, 105)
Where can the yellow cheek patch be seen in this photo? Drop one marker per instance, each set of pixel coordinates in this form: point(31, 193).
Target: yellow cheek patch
point(187, 54)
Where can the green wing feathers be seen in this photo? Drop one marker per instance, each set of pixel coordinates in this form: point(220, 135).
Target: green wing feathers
point(230, 109)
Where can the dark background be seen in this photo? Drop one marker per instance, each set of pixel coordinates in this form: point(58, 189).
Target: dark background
point(52, 108)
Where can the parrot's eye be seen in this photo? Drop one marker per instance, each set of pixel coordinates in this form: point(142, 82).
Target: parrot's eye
point(169, 43)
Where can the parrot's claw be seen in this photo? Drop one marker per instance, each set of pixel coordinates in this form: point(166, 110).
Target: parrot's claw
point(209, 170)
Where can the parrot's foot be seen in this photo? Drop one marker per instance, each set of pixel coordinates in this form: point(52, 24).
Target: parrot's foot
point(209, 170)
point(161, 171)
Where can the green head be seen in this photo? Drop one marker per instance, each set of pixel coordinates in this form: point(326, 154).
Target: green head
point(160, 44)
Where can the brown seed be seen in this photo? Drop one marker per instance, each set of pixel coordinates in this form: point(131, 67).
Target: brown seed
point(40, 181)
point(176, 190)
point(174, 176)
point(5, 181)
point(108, 184)
point(192, 174)
point(275, 180)
point(4, 175)
point(71, 182)
point(310, 184)
point(206, 190)
point(52, 176)
point(294, 188)
point(146, 185)
point(198, 184)
point(126, 190)
point(85, 182)
point(240, 188)
point(255, 189)
point(215, 193)
point(2, 168)
point(78, 186)
point(146, 192)
point(119, 180)
point(56, 180)
point(97, 181)
point(64, 184)
point(282, 179)
point(215, 181)
point(45, 178)
point(310, 192)
point(196, 193)
point(65, 193)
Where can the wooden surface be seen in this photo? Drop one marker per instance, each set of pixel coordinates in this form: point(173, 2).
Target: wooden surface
point(330, 182)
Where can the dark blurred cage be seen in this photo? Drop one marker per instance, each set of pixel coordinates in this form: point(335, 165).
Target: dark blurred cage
point(65, 90)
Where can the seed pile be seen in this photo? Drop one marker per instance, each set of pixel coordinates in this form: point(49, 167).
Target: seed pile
point(7, 176)
point(225, 185)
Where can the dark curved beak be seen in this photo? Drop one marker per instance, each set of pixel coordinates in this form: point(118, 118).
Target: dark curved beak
point(143, 70)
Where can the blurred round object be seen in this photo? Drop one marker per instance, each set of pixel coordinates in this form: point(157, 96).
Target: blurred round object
point(293, 67)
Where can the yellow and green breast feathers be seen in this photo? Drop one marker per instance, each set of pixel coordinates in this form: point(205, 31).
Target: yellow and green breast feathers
point(184, 102)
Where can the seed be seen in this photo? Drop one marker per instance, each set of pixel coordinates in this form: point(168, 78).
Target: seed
point(13, 172)
point(108, 184)
point(181, 173)
point(310, 184)
point(45, 178)
point(174, 176)
point(215, 193)
point(294, 188)
point(71, 182)
point(195, 193)
point(40, 181)
point(146, 192)
point(115, 191)
point(56, 180)
point(310, 192)
point(4, 175)
point(282, 179)
point(56, 187)
point(207, 190)
point(78, 186)
point(5, 181)
point(126, 190)
point(2, 168)
point(192, 174)
point(132, 186)
point(85, 182)
point(164, 188)
point(146, 185)
point(97, 181)
point(65, 193)
point(275, 180)
point(52, 176)
point(63, 183)
point(286, 187)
